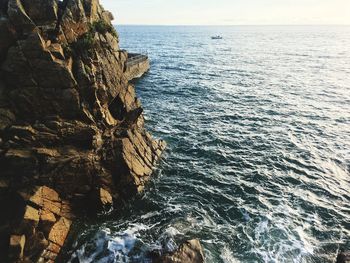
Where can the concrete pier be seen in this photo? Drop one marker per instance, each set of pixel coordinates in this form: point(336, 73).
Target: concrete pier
point(136, 65)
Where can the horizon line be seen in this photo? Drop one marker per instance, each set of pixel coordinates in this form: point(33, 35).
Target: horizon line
point(231, 24)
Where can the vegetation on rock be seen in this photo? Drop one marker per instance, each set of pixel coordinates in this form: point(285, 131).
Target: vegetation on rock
point(102, 27)
point(72, 135)
point(86, 42)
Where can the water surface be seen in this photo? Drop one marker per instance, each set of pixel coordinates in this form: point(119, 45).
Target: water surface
point(258, 158)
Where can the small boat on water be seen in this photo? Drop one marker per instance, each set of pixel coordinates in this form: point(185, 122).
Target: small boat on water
point(216, 37)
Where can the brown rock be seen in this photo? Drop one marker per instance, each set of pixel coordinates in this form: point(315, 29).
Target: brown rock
point(53, 248)
point(31, 214)
point(53, 74)
point(57, 51)
point(48, 199)
point(60, 231)
point(35, 245)
point(4, 184)
point(107, 16)
point(189, 252)
point(343, 257)
point(70, 123)
point(47, 220)
point(66, 211)
point(22, 160)
point(19, 17)
point(16, 69)
point(7, 37)
point(91, 9)
point(105, 197)
point(100, 200)
point(47, 216)
point(41, 12)
point(16, 249)
point(29, 222)
point(74, 22)
point(34, 47)
point(48, 256)
point(45, 152)
point(6, 118)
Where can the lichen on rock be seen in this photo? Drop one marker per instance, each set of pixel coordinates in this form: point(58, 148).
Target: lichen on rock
point(72, 134)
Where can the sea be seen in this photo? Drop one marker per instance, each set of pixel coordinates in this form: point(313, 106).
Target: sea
point(258, 159)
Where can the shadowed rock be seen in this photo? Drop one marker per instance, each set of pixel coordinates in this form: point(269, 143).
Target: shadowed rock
point(343, 257)
point(72, 134)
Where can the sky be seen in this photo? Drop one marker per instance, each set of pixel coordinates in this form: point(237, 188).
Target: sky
point(229, 12)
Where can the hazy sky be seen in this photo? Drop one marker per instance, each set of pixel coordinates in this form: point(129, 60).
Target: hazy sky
point(229, 12)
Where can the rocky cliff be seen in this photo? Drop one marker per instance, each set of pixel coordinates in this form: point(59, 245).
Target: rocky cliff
point(72, 136)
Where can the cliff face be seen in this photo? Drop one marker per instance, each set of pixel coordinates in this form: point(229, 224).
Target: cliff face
point(72, 134)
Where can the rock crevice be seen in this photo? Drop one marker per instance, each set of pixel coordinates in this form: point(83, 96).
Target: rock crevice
point(72, 134)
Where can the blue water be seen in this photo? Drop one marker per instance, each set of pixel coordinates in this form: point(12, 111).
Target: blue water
point(258, 158)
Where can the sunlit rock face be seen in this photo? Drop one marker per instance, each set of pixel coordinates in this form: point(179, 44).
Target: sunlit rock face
point(72, 136)
point(190, 251)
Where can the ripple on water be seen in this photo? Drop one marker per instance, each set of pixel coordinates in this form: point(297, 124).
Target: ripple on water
point(258, 158)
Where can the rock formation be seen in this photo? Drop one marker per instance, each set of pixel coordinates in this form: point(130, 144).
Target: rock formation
point(72, 134)
point(189, 252)
point(343, 257)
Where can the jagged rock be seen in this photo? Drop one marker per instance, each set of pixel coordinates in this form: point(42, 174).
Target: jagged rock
point(19, 17)
point(57, 51)
point(100, 200)
point(47, 216)
point(6, 118)
point(189, 252)
point(74, 22)
point(47, 220)
point(41, 12)
point(35, 244)
point(72, 133)
point(16, 249)
point(31, 215)
point(92, 10)
point(343, 257)
point(106, 198)
point(3, 7)
point(107, 16)
point(47, 199)
point(29, 222)
point(60, 231)
point(22, 161)
point(7, 37)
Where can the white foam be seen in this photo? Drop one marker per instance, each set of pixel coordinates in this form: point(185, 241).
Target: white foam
point(150, 215)
point(227, 256)
point(172, 231)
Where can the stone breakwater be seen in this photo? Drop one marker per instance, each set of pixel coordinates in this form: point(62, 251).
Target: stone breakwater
point(136, 66)
point(72, 136)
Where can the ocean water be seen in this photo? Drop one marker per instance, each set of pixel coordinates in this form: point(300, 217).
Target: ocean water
point(258, 159)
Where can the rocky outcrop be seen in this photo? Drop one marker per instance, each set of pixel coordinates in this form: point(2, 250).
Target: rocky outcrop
point(189, 252)
point(343, 257)
point(72, 136)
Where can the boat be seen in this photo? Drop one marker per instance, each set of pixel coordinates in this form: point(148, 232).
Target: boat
point(216, 37)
